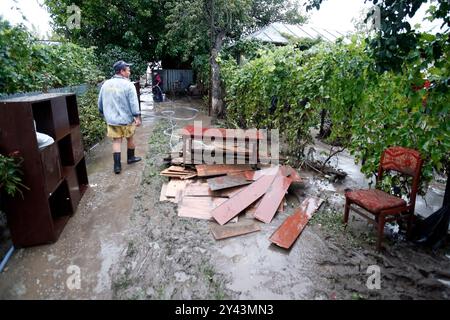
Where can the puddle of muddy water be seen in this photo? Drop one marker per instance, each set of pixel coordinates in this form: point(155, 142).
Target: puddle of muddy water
point(109, 254)
point(260, 270)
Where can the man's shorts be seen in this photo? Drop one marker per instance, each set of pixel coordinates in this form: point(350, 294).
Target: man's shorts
point(121, 131)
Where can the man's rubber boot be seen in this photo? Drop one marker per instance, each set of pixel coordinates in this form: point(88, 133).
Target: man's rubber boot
point(131, 157)
point(117, 164)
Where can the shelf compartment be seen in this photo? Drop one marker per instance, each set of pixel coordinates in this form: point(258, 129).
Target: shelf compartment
point(42, 114)
point(51, 117)
point(51, 167)
point(77, 143)
point(72, 110)
point(71, 148)
point(59, 201)
point(70, 175)
point(60, 117)
point(82, 176)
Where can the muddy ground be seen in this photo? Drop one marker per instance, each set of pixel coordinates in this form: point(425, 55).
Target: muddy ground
point(168, 257)
point(131, 246)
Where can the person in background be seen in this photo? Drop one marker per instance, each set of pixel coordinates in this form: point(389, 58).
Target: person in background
point(157, 91)
point(118, 104)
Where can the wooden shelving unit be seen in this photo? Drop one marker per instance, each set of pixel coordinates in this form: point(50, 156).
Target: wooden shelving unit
point(56, 175)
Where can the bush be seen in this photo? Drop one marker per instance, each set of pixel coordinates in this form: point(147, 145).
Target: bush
point(92, 125)
point(286, 89)
point(29, 65)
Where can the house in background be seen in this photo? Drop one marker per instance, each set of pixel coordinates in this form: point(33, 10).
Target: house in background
point(280, 33)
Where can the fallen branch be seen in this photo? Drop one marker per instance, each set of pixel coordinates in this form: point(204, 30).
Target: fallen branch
point(331, 155)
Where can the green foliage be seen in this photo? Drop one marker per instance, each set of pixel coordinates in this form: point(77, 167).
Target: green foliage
point(248, 49)
point(269, 92)
point(29, 65)
point(188, 25)
point(286, 89)
point(201, 66)
point(131, 24)
point(265, 12)
point(396, 39)
point(305, 43)
point(92, 125)
point(113, 53)
point(11, 175)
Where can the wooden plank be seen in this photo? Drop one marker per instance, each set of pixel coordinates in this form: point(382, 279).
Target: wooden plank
point(179, 169)
point(177, 161)
point(272, 199)
point(178, 172)
point(281, 207)
point(235, 149)
point(250, 211)
point(198, 207)
point(163, 196)
point(255, 175)
point(188, 176)
point(293, 226)
point(228, 193)
point(210, 170)
point(172, 173)
point(174, 185)
point(226, 182)
point(236, 204)
point(175, 172)
point(179, 196)
point(198, 189)
point(203, 132)
point(179, 176)
point(288, 171)
point(244, 226)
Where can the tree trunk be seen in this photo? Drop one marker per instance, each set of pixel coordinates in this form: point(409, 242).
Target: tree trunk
point(217, 105)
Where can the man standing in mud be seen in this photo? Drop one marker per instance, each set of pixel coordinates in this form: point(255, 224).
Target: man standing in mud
point(118, 104)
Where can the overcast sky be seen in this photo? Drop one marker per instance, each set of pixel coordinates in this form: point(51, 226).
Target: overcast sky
point(336, 15)
point(31, 9)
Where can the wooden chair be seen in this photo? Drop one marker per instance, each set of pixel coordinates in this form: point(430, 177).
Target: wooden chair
point(383, 206)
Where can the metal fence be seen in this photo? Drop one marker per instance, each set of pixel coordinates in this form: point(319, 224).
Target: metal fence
point(176, 80)
point(72, 89)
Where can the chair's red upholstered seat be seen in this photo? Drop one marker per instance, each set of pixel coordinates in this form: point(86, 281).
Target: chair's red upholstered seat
point(374, 200)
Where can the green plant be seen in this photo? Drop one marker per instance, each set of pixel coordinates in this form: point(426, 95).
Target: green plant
point(30, 65)
point(92, 125)
point(286, 89)
point(11, 175)
point(111, 53)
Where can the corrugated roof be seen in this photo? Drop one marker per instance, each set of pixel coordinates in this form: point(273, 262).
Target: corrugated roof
point(275, 32)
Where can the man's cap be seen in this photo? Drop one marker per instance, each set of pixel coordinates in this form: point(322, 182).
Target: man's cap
point(119, 65)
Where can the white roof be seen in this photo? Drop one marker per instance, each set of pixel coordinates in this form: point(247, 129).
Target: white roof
point(275, 33)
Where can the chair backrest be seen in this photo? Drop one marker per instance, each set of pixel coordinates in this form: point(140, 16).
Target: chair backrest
point(403, 160)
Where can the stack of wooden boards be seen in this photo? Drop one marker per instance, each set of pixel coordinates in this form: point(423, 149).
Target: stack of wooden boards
point(236, 199)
